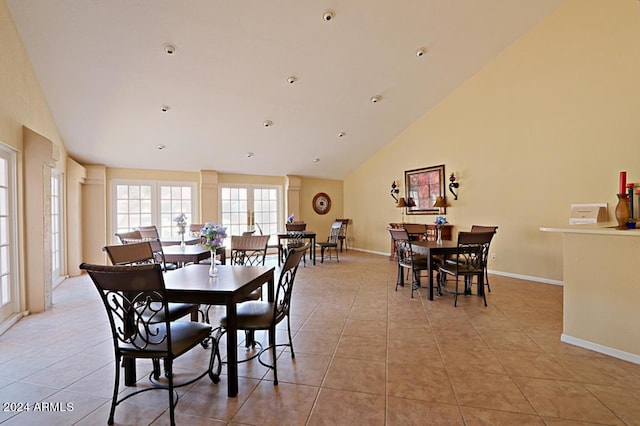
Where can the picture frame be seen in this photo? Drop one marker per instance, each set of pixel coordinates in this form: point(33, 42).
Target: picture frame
point(422, 186)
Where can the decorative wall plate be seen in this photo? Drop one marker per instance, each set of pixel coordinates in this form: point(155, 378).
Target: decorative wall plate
point(321, 203)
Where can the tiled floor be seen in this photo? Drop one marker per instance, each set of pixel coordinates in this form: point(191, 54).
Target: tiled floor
point(365, 355)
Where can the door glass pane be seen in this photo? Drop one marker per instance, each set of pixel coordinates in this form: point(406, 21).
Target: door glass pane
point(9, 295)
point(57, 235)
point(175, 200)
point(234, 213)
point(133, 206)
point(266, 211)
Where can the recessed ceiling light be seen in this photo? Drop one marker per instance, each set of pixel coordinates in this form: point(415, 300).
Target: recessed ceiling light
point(328, 15)
point(165, 108)
point(375, 99)
point(250, 154)
point(291, 80)
point(421, 52)
point(341, 134)
point(169, 49)
point(316, 160)
point(267, 123)
point(161, 146)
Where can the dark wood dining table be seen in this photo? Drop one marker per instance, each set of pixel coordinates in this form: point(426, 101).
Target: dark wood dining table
point(192, 284)
point(191, 254)
point(431, 249)
point(306, 235)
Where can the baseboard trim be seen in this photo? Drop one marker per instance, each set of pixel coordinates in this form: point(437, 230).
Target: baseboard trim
point(9, 322)
point(616, 353)
point(527, 277)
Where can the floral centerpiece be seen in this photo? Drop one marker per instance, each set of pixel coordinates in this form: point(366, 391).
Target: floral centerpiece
point(181, 222)
point(440, 222)
point(291, 218)
point(213, 236)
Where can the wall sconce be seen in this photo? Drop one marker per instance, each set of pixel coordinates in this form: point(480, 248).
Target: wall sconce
point(440, 203)
point(453, 184)
point(394, 191)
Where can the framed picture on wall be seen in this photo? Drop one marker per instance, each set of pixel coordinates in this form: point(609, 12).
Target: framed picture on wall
point(423, 186)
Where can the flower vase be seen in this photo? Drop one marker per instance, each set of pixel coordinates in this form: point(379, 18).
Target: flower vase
point(439, 237)
point(182, 243)
point(622, 211)
point(213, 269)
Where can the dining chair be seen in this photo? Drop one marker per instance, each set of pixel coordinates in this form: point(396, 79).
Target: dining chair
point(260, 232)
point(247, 250)
point(137, 253)
point(408, 260)
point(295, 238)
point(471, 261)
point(493, 230)
point(130, 253)
point(343, 233)
point(129, 237)
point(295, 226)
point(135, 300)
point(150, 233)
point(332, 241)
point(194, 229)
point(264, 315)
point(452, 258)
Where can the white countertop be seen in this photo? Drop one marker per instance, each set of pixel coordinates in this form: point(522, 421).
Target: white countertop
point(608, 228)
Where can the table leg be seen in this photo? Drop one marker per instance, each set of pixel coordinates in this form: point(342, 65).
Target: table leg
point(430, 270)
point(313, 249)
point(279, 252)
point(232, 348)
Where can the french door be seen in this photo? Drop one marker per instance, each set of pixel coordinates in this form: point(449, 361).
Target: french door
point(8, 236)
point(152, 203)
point(248, 207)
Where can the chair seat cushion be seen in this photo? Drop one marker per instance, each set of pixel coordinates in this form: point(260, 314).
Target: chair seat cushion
point(184, 336)
point(420, 262)
point(256, 315)
point(460, 270)
point(326, 244)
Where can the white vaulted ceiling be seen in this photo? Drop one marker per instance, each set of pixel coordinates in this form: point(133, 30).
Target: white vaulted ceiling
point(106, 76)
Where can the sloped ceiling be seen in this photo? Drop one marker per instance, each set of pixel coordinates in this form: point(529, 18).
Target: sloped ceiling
point(106, 75)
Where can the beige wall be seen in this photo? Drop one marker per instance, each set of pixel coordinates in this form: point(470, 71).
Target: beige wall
point(24, 111)
point(321, 224)
point(550, 122)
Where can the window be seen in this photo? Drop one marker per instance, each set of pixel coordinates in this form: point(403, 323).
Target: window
point(57, 228)
point(8, 236)
point(243, 207)
point(152, 203)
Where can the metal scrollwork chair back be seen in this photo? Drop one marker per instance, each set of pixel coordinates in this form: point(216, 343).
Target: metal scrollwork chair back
point(262, 315)
point(136, 303)
point(470, 261)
